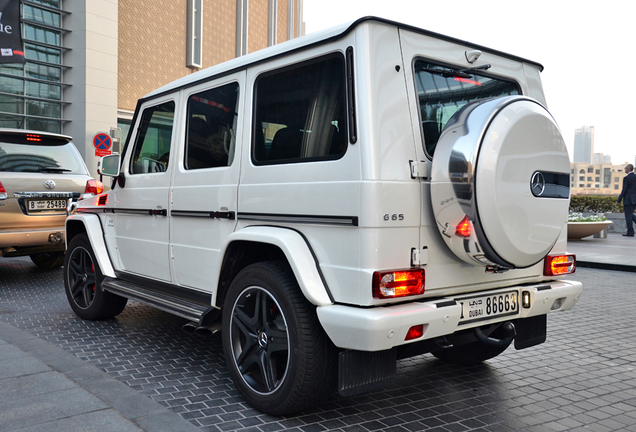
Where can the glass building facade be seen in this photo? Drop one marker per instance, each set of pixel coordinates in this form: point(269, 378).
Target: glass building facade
point(31, 93)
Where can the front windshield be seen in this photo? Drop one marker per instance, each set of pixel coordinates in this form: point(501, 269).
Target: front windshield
point(441, 95)
point(40, 158)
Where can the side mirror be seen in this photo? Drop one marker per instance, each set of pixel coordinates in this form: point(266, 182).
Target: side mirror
point(108, 165)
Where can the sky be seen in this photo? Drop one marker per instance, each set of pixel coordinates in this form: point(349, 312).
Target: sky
point(587, 48)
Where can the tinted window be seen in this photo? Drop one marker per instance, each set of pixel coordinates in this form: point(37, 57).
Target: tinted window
point(442, 96)
point(300, 113)
point(211, 128)
point(154, 135)
point(36, 157)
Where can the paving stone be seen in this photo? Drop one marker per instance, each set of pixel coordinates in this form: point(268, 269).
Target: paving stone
point(581, 378)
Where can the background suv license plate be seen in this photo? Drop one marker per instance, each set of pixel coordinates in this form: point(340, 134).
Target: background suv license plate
point(47, 205)
point(487, 307)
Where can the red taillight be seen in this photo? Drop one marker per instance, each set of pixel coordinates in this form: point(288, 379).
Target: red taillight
point(415, 332)
point(94, 187)
point(464, 228)
point(31, 137)
point(398, 283)
point(556, 265)
point(3, 192)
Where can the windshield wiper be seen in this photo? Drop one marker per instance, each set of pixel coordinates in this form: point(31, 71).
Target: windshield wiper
point(481, 67)
point(447, 73)
point(452, 73)
point(53, 169)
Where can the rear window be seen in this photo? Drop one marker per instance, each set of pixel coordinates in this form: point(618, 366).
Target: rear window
point(442, 91)
point(35, 153)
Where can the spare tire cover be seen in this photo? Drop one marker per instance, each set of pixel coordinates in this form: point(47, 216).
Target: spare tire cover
point(501, 164)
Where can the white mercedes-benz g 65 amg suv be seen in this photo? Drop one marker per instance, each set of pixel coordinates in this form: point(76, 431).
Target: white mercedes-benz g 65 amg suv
point(336, 203)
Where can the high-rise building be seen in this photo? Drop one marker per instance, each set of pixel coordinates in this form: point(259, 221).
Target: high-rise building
point(584, 144)
point(600, 158)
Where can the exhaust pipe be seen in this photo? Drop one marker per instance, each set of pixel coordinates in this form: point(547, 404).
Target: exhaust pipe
point(194, 328)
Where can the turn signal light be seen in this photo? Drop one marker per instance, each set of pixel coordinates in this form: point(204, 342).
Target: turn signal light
point(415, 332)
point(464, 228)
point(94, 187)
point(398, 283)
point(556, 265)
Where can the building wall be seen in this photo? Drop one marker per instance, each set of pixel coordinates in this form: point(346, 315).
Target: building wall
point(92, 73)
point(594, 181)
point(257, 25)
point(152, 40)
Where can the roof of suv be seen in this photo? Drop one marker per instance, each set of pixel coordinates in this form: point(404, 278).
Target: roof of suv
point(312, 39)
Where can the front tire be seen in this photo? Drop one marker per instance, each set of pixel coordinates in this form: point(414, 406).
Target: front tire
point(83, 283)
point(279, 357)
point(48, 260)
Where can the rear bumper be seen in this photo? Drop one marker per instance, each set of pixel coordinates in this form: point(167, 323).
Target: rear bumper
point(30, 237)
point(381, 328)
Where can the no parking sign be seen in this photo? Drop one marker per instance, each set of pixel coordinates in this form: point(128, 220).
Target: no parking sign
point(102, 143)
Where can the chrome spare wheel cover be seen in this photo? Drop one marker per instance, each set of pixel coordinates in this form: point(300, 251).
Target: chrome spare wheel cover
point(502, 164)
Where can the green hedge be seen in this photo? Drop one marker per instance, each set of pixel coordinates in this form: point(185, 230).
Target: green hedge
point(595, 204)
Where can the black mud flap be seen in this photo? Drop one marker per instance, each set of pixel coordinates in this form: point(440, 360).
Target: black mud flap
point(531, 331)
point(363, 371)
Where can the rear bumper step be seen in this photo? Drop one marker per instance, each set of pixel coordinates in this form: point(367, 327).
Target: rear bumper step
point(175, 305)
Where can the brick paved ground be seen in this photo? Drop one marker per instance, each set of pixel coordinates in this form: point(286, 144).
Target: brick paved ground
point(582, 378)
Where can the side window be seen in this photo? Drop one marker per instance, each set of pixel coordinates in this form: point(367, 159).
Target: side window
point(300, 113)
point(211, 128)
point(443, 91)
point(152, 144)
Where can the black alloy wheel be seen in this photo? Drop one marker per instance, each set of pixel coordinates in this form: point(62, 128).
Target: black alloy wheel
point(278, 355)
point(260, 341)
point(82, 283)
point(81, 277)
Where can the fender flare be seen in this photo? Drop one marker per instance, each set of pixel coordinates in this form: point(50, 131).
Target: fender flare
point(93, 228)
point(301, 259)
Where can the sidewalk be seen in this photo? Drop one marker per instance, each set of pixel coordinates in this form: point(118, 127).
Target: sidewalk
point(45, 389)
point(612, 253)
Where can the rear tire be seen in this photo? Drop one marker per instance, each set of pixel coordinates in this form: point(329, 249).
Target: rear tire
point(83, 283)
point(48, 260)
point(278, 356)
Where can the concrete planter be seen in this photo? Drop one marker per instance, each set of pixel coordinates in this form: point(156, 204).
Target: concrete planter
point(578, 230)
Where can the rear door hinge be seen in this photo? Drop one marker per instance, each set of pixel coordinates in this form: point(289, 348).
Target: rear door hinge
point(415, 257)
point(419, 169)
point(419, 258)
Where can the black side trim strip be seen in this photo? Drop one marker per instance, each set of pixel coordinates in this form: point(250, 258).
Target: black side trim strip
point(544, 288)
point(306, 219)
point(351, 101)
point(207, 214)
point(167, 288)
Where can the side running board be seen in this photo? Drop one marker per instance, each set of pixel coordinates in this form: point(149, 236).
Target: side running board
point(175, 305)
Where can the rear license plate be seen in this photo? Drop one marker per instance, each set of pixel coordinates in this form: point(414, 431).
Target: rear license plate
point(486, 307)
point(46, 205)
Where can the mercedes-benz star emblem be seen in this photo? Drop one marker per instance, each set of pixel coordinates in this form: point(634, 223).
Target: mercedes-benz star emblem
point(537, 183)
point(49, 184)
